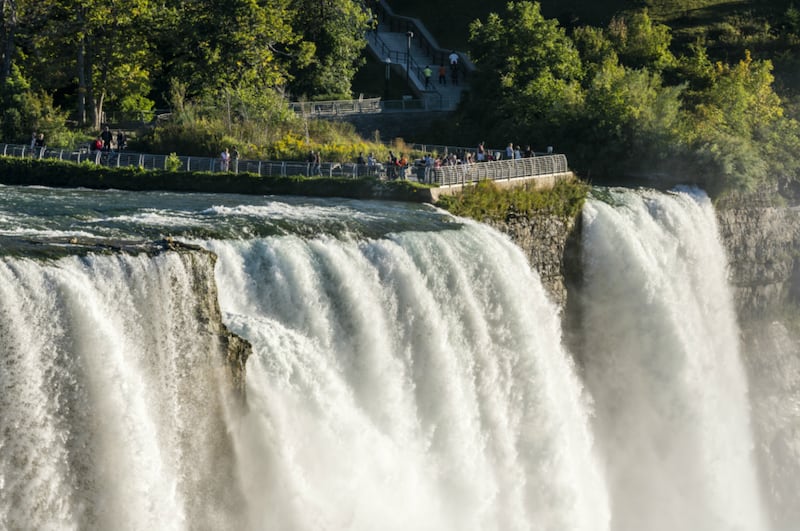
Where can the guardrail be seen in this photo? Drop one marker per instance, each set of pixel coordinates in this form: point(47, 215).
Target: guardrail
point(422, 38)
point(336, 107)
point(458, 174)
point(161, 162)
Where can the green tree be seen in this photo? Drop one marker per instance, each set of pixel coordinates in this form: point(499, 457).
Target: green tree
point(219, 44)
point(8, 32)
point(337, 29)
point(641, 42)
point(25, 110)
point(530, 72)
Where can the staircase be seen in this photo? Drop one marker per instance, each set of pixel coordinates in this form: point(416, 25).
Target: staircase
point(396, 36)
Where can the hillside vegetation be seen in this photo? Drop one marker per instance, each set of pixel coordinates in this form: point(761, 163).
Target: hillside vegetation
point(703, 90)
point(629, 98)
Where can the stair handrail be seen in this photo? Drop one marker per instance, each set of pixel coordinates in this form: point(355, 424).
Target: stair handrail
point(422, 37)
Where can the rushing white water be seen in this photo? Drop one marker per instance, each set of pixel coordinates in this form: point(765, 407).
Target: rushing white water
point(408, 372)
point(110, 407)
point(662, 362)
point(412, 382)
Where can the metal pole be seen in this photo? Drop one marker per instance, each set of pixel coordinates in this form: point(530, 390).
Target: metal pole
point(409, 35)
point(388, 74)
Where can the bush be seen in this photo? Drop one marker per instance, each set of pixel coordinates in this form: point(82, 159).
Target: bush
point(486, 201)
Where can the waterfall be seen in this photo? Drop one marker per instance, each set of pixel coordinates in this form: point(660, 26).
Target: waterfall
point(112, 396)
point(662, 362)
point(415, 381)
point(408, 372)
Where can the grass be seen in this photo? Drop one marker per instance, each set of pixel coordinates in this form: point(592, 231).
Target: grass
point(487, 202)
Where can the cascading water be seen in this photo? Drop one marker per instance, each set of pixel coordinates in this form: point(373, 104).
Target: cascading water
point(410, 382)
point(407, 371)
point(111, 396)
point(662, 363)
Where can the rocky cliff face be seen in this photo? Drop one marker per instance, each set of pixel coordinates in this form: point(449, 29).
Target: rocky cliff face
point(551, 245)
point(236, 349)
point(762, 243)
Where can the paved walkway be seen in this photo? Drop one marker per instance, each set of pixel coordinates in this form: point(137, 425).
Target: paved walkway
point(393, 46)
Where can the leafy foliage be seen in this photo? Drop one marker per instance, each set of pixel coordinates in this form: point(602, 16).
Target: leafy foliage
point(619, 102)
point(24, 111)
point(486, 201)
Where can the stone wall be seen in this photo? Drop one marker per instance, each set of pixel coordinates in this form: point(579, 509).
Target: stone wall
point(762, 242)
point(391, 125)
point(551, 245)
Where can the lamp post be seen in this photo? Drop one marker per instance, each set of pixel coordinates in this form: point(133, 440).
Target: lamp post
point(388, 73)
point(409, 35)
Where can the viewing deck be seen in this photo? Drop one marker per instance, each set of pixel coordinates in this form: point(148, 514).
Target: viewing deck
point(543, 170)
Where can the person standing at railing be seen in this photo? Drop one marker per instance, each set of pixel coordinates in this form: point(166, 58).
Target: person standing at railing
point(428, 168)
point(235, 157)
point(361, 163)
point(442, 75)
point(427, 73)
point(107, 137)
point(403, 165)
point(122, 141)
point(39, 143)
point(391, 166)
point(453, 57)
point(224, 160)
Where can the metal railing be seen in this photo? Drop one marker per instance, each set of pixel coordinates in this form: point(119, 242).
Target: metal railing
point(499, 170)
point(336, 107)
point(422, 38)
point(457, 174)
point(398, 59)
point(121, 159)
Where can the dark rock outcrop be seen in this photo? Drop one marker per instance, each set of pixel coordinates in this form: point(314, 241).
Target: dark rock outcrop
point(551, 245)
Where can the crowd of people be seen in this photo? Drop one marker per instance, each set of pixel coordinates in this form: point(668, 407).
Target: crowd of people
point(400, 167)
point(107, 141)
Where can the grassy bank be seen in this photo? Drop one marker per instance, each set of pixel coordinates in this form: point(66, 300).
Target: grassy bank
point(487, 202)
point(58, 174)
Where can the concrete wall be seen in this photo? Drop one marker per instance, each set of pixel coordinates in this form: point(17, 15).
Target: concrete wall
point(391, 125)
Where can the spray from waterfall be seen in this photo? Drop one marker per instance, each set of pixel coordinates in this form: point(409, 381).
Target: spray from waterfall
point(662, 363)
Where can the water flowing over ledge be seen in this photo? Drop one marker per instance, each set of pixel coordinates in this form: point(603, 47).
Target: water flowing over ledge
point(408, 371)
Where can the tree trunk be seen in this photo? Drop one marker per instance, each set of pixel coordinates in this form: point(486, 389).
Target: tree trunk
point(8, 8)
point(90, 95)
point(82, 83)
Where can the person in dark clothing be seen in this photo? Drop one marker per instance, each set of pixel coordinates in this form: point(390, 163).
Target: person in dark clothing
point(107, 137)
point(122, 140)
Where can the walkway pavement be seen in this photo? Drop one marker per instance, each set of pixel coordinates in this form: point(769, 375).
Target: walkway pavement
point(392, 45)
